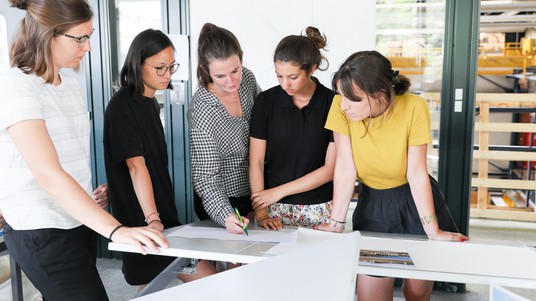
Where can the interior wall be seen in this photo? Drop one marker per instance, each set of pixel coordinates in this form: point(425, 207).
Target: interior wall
point(260, 25)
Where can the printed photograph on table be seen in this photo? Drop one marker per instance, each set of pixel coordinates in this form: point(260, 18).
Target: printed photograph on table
point(384, 257)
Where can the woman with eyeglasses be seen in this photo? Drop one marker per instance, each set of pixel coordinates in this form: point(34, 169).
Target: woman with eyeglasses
point(135, 152)
point(45, 176)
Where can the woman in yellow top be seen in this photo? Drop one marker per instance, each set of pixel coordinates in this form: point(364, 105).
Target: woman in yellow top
point(381, 135)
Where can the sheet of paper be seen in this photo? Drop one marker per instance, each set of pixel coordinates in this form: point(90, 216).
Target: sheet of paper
point(288, 235)
point(306, 236)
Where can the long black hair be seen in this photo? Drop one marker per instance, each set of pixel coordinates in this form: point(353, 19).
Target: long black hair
point(146, 44)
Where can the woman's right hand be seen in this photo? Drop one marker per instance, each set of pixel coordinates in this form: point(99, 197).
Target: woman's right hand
point(445, 235)
point(140, 237)
point(234, 225)
point(270, 223)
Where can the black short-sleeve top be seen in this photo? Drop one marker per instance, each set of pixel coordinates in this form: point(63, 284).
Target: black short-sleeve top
point(133, 128)
point(296, 140)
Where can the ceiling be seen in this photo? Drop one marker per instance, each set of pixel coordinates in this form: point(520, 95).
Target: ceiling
point(507, 15)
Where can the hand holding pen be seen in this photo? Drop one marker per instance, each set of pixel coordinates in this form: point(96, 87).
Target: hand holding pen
point(241, 221)
point(234, 224)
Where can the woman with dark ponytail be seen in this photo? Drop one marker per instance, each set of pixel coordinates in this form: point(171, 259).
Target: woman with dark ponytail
point(292, 155)
point(381, 135)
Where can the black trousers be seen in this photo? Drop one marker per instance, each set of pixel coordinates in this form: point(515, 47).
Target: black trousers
point(60, 263)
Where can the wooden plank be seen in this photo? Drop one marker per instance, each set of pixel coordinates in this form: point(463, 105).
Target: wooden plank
point(527, 209)
point(493, 98)
point(482, 192)
point(512, 100)
point(506, 127)
point(503, 215)
point(504, 155)
point(502, 183)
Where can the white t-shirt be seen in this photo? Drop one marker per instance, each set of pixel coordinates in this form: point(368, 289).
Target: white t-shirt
point(24, 204)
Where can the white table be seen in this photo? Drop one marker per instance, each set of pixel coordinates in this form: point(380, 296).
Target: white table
point(300, 274)
point(198, 248)
point(479, 262)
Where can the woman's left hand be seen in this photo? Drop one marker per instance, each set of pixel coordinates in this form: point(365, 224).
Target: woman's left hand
point(101, 195)
point(157, 225)
point(264, 198)
point(330, 227)
point(445, 235)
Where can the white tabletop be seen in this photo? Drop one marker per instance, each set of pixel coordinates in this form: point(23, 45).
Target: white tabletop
point(489, 263)
point(208, 249)
point(468, 262)
point(297, 275)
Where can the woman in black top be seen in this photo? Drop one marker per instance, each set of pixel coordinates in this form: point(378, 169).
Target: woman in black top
point(135, 152)
point(292, 156)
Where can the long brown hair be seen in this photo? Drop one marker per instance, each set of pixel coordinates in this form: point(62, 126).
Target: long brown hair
point(30, 50)
point(372, 73)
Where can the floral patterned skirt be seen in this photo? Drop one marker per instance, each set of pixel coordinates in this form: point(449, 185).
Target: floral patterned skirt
point(301, 215)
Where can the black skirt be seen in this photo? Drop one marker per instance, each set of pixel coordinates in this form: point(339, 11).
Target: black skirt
point(393, 211)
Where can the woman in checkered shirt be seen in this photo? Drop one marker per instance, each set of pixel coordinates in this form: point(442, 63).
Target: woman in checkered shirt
point(219, 130)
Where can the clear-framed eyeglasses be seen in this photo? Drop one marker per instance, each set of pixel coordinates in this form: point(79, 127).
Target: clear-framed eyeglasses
point(164, 69)
point(80, 41)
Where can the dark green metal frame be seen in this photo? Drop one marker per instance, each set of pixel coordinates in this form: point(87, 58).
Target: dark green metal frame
point(456, 128)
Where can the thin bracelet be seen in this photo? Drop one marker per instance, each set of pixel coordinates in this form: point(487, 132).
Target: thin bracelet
point(147, 218)
point(336, 221)
point(113, 231)
point(155, 220)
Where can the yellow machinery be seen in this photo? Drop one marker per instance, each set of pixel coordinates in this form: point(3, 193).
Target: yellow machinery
point(515, 56)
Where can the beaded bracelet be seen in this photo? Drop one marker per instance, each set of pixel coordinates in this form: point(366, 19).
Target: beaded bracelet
point(113, 231)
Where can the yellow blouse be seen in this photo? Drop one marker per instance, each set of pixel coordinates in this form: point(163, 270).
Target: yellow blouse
point(381, 155)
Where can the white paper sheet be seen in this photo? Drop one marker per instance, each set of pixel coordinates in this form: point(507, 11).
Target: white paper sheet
point(306, 236)
point(288, 235)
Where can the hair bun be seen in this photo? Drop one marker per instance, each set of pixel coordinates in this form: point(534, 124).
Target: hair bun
point(20, 4)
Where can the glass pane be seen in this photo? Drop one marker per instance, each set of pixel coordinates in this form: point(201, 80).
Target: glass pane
point(410, 33)
point(506, 73)
point(4, 45)
point(133, 17)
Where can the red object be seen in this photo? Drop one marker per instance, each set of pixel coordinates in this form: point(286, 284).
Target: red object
point(524, 140)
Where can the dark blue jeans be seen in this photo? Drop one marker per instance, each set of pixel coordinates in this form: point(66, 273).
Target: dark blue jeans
point(60, 263)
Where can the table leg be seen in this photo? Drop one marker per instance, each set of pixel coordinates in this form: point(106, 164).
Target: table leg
point(165, 277)
point(16, 280)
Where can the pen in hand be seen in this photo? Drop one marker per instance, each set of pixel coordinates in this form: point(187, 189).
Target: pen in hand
point(240, 218)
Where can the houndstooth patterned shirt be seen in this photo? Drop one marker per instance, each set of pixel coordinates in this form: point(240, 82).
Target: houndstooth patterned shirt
point(219, 148)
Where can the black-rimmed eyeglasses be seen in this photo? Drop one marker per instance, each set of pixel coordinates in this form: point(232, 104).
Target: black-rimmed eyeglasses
point(80, 41)
point(164, 69)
